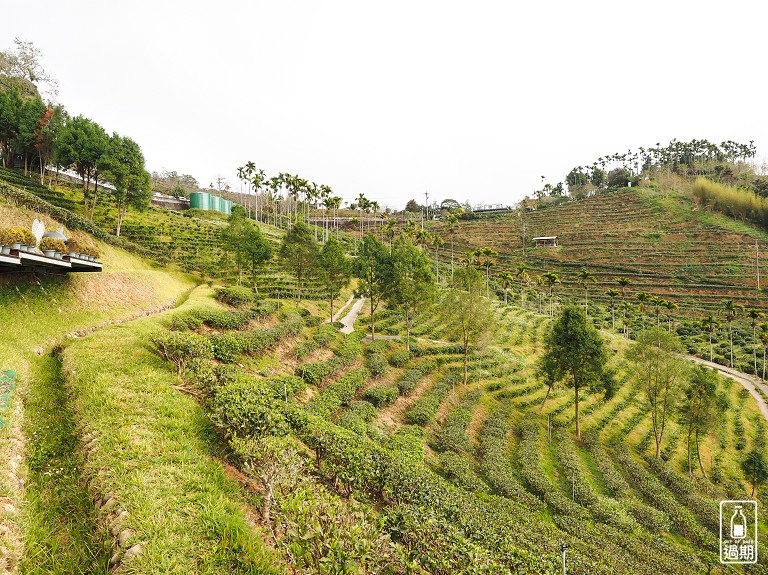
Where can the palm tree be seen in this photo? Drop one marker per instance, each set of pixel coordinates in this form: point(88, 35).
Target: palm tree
point(452, 224)
point(754, 315)
point(423, 238)
point(584, 278)
point(670, 306)
point(764, 341)
point(487, 261)
point(623, 283)
point(710, 324)
point(643, 299)
point(612, 294)
point(437, 243)
point(389, 232)
point(551, 279)
point(506, 280)
point(730, 311)
point(521, 272)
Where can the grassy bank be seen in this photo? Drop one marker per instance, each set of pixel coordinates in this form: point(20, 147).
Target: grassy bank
point(149, 457)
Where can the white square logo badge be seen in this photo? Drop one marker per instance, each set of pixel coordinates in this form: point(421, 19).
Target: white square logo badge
point(738, 532)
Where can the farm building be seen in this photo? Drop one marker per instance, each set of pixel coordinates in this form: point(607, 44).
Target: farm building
point(546, 241)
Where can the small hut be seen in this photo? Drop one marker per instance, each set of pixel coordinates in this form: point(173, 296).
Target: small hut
point(546, 241)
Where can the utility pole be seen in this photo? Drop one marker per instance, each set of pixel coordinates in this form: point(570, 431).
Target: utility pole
point(757, 263)
point(562, 549)
point(426, 209)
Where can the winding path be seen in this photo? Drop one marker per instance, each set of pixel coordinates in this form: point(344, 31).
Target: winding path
point(749, 382)
point(351, 317)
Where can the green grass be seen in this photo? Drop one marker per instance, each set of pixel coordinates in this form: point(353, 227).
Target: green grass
point(61, 534)
point(154, 452)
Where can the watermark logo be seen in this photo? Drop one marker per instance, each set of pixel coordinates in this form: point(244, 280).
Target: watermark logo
point(738, 532)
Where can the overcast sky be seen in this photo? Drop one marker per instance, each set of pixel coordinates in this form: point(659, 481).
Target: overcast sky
point(465, 100)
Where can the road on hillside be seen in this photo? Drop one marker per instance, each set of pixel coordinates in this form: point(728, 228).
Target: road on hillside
point(749, 382)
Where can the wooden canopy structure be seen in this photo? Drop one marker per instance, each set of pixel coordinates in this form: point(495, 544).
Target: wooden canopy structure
point(19, 261)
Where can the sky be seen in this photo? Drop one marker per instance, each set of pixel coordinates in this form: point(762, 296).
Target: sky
point(473, 101)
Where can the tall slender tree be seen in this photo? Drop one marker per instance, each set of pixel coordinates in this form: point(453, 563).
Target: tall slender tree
point(373, 266)
point(612, 295)
point(754, 315)
point(334, 269)
point(412, 284)
point(730, 310)
point(300, 253)
point(506, 281)
point(574, 352)
point(710, 324)
point(659, 372)
point(584, 278)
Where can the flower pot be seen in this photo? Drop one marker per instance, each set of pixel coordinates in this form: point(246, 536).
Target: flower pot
point(58, 255)
point(23, 247)
point(73, 254)
point(49, 253)
point(5, 250)
point(16, 245)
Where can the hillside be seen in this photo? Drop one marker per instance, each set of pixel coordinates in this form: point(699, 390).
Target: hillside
point(269, 441)
point(660, 240)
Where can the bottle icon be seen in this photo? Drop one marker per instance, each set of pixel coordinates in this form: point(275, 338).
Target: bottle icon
point(738, 524)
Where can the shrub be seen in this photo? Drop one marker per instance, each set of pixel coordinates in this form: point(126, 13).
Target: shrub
point(399, 358)
point(325, 334)
point(423, 409)
point(288, 385)
point(236, 296)
point(180, 348)
point(348, 350)
point(53, 244)
point(339, 393)
point(314, 372)
point(90, 250)
point(352, 421)
point(410, 378)
point(458, 468)
point(377, 363)
point(382, 394)
point(247, 407)
point(305, 348)
point(21, 235)
point(364, 409)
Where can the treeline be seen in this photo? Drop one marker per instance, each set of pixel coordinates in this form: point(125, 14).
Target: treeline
point(43, 135)
point(621, 169)
point(738, 203)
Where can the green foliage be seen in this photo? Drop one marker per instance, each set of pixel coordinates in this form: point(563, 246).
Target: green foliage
point(299, 252)
point(286, 385)
point(421, 411)
point(659, 374)
point(334, 269)
point(364, 409)
point(315, 372)
point(399, 358)
point(53, 244)
point(381, 395)
point(349, 349)
point(496, 465)
point(235, 296)
point(755, 469)
point(338, 393)
point(574, 351)
point(247, 407)
point(305, 348)
point(180, 348)
point(407, 383)
point(377, 364)
point(227, 346)
point(458, 469)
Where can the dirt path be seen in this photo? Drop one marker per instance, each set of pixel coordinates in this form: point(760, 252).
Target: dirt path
point(351, 317)
point(749, 382)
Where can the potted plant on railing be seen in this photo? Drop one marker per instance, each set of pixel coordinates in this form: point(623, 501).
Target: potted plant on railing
point(5, 242)
point(92, 252)
point(74, 249)
point(20, 239)
point(53, 246)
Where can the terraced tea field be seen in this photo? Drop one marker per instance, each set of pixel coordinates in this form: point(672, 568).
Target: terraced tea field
point(659, 240)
